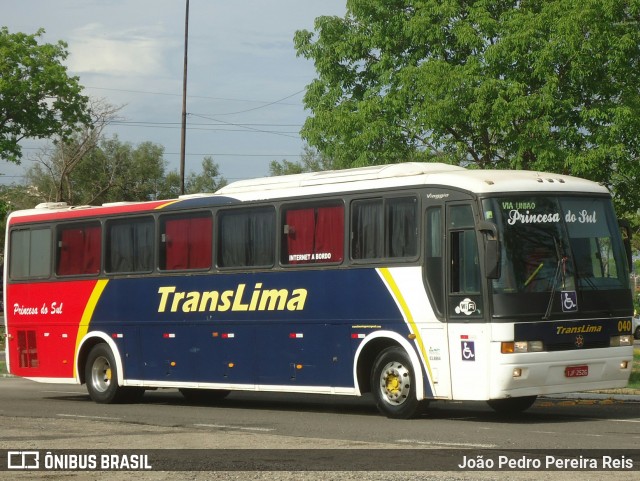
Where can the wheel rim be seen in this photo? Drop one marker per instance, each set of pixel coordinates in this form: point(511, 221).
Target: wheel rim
point(101, 374)
point(395, 383)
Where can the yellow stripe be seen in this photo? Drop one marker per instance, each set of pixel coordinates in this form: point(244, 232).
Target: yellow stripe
point(407, 314)
point(166, 204)
point(83, 328)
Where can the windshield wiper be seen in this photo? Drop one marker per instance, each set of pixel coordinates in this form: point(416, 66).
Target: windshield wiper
point(561, 267)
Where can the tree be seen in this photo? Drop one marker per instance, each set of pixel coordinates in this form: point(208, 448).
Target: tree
point(536, 84)
point(208, 181)
point(61, 163)
point(311, 161)
point(38, 99)
point(114, 171)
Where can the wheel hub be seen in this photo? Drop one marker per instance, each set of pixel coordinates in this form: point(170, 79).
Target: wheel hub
point(395, 383)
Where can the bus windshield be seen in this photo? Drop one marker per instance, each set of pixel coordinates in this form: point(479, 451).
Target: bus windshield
point(557, 244)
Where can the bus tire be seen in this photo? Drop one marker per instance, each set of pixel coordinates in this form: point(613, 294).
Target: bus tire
point(203, 396)
point(512, 405)
point(101, 376)
point(393, 384)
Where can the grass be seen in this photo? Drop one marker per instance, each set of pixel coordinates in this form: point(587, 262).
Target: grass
point(634, 379)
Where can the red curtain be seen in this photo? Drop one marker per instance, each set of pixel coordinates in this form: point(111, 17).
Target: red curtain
point(330, 234)
point(301, 235)
point(80, 251)
point(177, 244)
point(188, 243)
point(200, 239)
point(92, 249)
point(315, 235)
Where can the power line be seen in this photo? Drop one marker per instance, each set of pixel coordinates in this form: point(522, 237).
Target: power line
point(169, 94)
point(263, 106)
point(284, 134)
point(225, 127)
point(211, 154)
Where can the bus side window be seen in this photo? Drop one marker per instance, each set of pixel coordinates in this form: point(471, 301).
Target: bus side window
point(186, 242)
point(313, 235)
point(246, 238)
point(79, 250)
point(403, 229)
point(384, 228)
point(367, 229)
point(130, 245)
point(30, 253)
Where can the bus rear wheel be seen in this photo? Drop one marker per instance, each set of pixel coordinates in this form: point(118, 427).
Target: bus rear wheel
point(393, 384)
point(101, 376)
point(512, 405)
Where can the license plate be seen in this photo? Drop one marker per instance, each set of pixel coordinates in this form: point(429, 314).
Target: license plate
point(576, 371)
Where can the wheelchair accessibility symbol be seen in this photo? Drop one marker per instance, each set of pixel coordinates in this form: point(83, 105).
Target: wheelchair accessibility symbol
point(468, 351)
point(569, 301)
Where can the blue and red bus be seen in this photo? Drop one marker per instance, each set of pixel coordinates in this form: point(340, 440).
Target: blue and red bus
point(415, 282)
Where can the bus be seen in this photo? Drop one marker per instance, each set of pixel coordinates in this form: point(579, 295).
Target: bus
point(413, 282)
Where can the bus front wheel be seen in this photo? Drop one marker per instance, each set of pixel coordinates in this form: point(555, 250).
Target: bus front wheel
point(101, 376)
point(393, 384)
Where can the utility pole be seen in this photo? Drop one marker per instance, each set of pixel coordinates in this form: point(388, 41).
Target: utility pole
point(184, 100)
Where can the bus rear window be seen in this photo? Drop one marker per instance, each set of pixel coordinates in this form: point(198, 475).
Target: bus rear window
point(79, 250)
point(30, 253)
point(313, 235)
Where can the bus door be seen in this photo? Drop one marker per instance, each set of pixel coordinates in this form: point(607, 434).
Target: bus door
point(434, 328)
point(468, 331)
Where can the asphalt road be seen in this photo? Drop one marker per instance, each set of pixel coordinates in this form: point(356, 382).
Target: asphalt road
point(53, 417)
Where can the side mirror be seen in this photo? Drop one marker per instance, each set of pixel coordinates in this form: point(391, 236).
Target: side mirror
point(491, 249)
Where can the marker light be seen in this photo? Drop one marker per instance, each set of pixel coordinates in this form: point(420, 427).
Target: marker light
point(521, 346)
point(507, 347)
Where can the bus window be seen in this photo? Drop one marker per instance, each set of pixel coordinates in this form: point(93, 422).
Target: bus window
point(313, 234)
point(403, 230)
point(433, 258)
point(79, 249)
point(366, 229)
point(186, 242)
point(30, 253)
point(465, 269)
point(374, 235)
point(247, 238)
point(130, 245)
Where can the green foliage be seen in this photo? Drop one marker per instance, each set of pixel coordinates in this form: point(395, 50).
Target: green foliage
point(116, 171)
point(38, 99)
point(540, 84)
point(311, 161)
point(206, 182)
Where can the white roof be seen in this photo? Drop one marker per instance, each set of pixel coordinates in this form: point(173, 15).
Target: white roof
point(407, 174)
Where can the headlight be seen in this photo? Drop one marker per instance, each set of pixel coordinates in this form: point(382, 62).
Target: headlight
point(624, 340)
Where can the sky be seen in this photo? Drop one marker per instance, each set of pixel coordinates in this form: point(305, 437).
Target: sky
point(245, 84)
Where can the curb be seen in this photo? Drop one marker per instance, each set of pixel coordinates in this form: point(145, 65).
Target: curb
point(591, 396)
